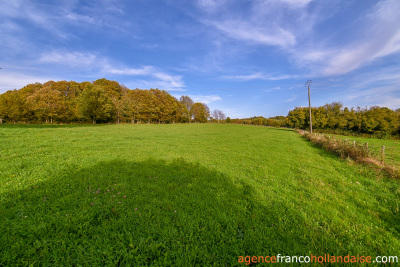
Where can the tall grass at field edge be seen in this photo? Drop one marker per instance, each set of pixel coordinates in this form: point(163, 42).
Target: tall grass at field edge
point(353, 150)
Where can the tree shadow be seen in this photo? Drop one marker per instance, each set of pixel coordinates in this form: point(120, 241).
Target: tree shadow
point(149, 213)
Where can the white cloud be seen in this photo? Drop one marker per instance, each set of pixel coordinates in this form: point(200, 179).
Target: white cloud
point(375, 87)
point(389, 102)
point(56, 19)
point(384, 96)
point(381, 31)
point(245, 31)
point(290, 25)
point(78, 18)
point(72, 59)
point(206, 99)
point(280, 23)
point(159, 79)
point(277, 88)
point(210, 5)
point(296, 3)
point(89, 62)
point(13, 80)
point(146, 70)
point(260, 76)
point(293, 98)
point(11, 8)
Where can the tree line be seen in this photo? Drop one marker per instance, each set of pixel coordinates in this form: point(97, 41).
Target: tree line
point(278, 121)
point(334, 118)
point(101, 101)
point(104, 101)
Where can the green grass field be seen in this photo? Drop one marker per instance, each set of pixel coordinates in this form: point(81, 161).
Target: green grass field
point(182, 195)
point(392, 148)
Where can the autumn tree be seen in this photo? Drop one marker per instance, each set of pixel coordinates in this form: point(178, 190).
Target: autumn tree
point(200, 112)
point(130, 105)
point(113, 90)
point(46, 103)
point(147, 108)
point(101, 100)
point(168, 106)
point(13, 106)
point(95, 104)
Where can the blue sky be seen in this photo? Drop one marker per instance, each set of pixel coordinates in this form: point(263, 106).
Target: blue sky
point(247, 57)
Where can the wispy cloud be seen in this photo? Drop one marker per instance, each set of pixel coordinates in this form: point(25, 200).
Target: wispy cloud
point(72, 59)
point(146, 70)
point(260, 76)
point(10, 80)
point(159, 78)
point(56, 19)
point(375, 87)
point(384, 96)
point(277, 88)
point(381, 37)
point(90, 62)
point(36, 16)
point(206, 99)
point(245, 31)
point(291, 99)
point(263, 23)
point(284, 23)
point(211, 5)
point(295, 3)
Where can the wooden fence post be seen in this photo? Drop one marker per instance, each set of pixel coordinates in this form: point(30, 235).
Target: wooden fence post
point(383, 154)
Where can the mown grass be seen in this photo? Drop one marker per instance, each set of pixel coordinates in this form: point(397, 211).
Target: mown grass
point(194, 194)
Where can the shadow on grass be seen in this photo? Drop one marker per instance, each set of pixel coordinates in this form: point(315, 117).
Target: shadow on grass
point(149, 212)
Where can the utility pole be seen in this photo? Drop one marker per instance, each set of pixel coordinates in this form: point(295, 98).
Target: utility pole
point(309, 102)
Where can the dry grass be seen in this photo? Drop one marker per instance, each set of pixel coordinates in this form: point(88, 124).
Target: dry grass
point(353, 150)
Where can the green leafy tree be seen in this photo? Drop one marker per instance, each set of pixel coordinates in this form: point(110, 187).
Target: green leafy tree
point(114, 91)
point(297, 118)
point(95, 104)
point(130, 105)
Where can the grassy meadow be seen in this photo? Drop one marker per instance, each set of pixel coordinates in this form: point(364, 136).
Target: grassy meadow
point(182, 195)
